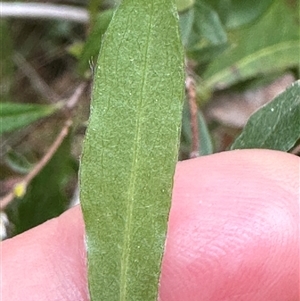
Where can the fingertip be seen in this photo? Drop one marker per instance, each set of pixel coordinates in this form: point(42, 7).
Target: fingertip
point(46, 262)
point(233, 229)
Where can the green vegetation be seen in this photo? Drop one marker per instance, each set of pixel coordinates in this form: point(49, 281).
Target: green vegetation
point(238, 57)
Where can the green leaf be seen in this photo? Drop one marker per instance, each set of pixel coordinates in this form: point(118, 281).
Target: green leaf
point(184, 4)
point(91, 48)
point(275, 125)
point(14, 116)
point(46, 195)
point(17, 162)
point(205, 140)
point(206, 54)
point(207, 27)
point(186, 20)
point(209, 24)
point(236, 13)
point(131, 149)
point(260, 49)
point(93, 7)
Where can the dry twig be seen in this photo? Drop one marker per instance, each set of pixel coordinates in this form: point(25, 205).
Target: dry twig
point(39, 166)
point(72, 101)
point(192, 98)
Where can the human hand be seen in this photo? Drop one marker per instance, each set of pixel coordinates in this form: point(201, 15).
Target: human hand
point(233, 234)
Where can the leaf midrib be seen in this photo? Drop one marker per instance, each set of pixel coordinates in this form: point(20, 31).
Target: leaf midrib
point(132, 181)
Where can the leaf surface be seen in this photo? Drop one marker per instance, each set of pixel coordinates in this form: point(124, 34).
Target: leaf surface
point(131, 149)
point(275, 125)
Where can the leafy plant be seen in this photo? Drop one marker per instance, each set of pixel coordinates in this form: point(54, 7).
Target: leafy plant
point(132, 140)
point(257, 50)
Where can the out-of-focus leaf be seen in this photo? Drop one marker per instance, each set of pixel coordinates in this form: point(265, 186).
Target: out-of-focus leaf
point(206, 54)
point(260, 49)
point(184, 4)
point(209, 24)
point(46, 195)
point(186, 20)
point(91, 48)
point(131, 150)
point(6, 63)
point(236, 13)
point(14, 116)
point(17, 162)
point(93, 8)
point(205, 141)
point(207, 27)
point(275, 125)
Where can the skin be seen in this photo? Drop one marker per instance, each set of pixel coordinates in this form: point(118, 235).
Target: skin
point(233, 234)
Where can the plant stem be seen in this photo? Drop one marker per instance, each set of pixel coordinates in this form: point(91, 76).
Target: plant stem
point(39, 166)
point(35, 10)
point(191, 93)
point(69, 105)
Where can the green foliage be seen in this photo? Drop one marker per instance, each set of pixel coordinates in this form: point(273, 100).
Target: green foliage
point(184, 4)
point(131, 149)
point(205, 140)
point(91, 47)
point(46, 196)
point(236, 13)
point(259, 50)
point(228, 44)
point(186, 21)
point(17, 162)
point(201, 26)
point(14, 116)
point(93, 7)
point(274, 126)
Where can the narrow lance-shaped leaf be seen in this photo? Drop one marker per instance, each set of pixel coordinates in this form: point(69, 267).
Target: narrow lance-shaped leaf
point(130, 150)
point(275, 125)
point(14, 116)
